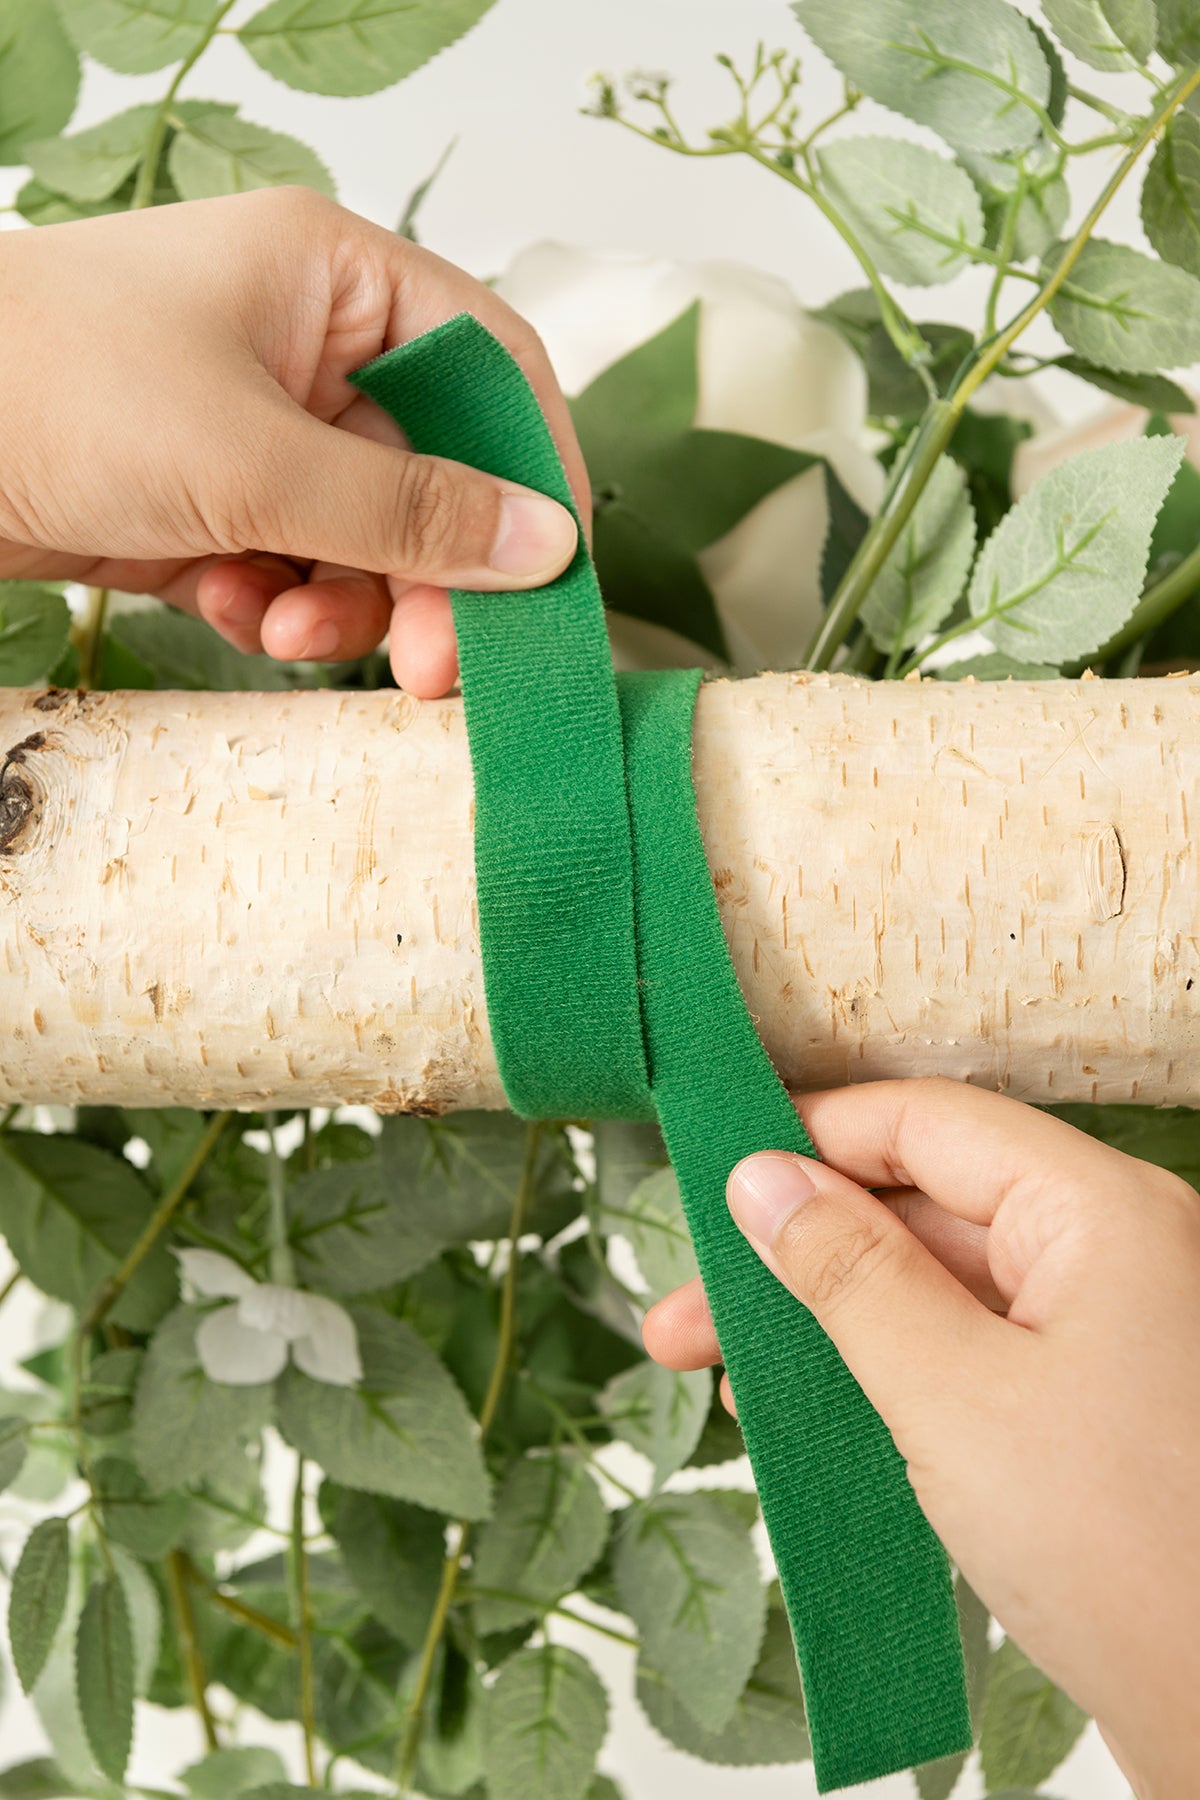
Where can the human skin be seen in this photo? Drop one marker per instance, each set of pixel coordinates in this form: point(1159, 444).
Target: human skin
point(187, 429)
point(1020, 1304)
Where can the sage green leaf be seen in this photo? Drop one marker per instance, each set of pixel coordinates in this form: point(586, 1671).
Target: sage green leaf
point(1155, 392)
point(994, 667)
point(938, 1780)
point(407, 227)
point(927, 567)
point(37, 1779)
point(354, 1228)
point(354, 46)
point(975, 74)
point(688, 1577)
point(548, 1528)
point(544, 1723)
point(107, 1393)
point(145, 1617)
point(217, 153)
point(1106, 34)
point(1029, 1725)
point(767, 1723)
point(92, 164)
point(232, 1771)
point(392, 1552)
point(1126, 311)
point(404, 1430)
point(38, 1597)
point(917, 213)
point(104, 1675)
point(14, 1444)
point(141, 1522)
point(70, 1212)
point(1167, 1136)
point(603, 1787)
point(35, 623)
point(178, 651)
point(186, 1427)
point(844, 532)
point(646, 575)
point(1179, 30)
point(137, 36)
point(39, 76)
point(652, 1219)
point(660, 1412)
point(1171, 194)
point(40, 205)
point(1064, 569)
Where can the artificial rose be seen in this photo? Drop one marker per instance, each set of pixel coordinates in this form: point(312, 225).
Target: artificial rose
point(248, 1341)
point(766, 368)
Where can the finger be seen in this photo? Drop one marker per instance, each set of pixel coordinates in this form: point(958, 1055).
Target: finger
point(421, 642)
point(233, 594)
point(966, 1148)
point(727, 1400)
point(678, 1331)
point(336, 615)
point(959, 1245)
point(339, 497)
point(918, 1344)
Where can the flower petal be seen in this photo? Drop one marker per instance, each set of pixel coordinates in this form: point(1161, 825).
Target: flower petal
point(213, 1275)
point(234, 1353)
point(271, 1307)
point(328, 1351)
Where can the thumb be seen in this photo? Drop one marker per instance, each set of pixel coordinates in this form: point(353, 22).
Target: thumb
point(315, 490)
point(909, 1332)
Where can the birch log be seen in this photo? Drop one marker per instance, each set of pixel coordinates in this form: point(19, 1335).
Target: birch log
point(238, 900)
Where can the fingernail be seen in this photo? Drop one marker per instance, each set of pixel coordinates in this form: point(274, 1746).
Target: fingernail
point(245, 606)
point(536, 536)
point(322, 642)
point(763, 1190)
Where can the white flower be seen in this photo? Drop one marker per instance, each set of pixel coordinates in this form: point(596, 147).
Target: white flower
point(766, 368)
point(247, 1341)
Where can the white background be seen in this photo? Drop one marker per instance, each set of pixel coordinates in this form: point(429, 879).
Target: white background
point(527, 166)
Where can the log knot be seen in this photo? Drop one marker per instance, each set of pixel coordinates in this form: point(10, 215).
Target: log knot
point(17, 798)
point(1104, 871)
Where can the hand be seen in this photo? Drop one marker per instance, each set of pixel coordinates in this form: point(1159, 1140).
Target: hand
point(178, 422)
point(1022, 1305)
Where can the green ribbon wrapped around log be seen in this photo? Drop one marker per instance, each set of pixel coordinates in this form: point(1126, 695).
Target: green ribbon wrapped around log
point(611, 994)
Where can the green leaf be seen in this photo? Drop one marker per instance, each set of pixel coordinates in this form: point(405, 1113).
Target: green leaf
point(1064, 569)
point(916, 212)
point(92, 164)
point(544, 1724)
point(217, 153)
point(938, 1780)
point(767, 1723)
point(107, 1394)
point(1126, 311)
point(688, 1577)
point(137, 36)
point(969, 72)
point(844, 533)
point(1029, 1725)
point(1171, 194)
point(34, 626)
point(145, 1617)
point(405, 1430)
point(548, 1528)
point(1156, 392)
point(927, 567)
point(37, 1779)
point(185, 1427)
point(38, 1598)
point(659, 1412)
point(233, 1771)
point(1168, 1136)
point(147, 1525)
point(1106, 34)
point(14, 1445)
point(182, 652)
point(644, 574)
point(70, 1212)
point(1179, 30)
point(39, 76)
point(653, 1221)
point(392, 1552)
point(994, 667)
point(104, 1675)
point(354, 46)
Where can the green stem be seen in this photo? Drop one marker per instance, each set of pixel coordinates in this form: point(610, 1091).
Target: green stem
point(1156, 605)
point(618, 1637)
point(92, 637)
point(937, 427)
point(410, 1746)
point(9, 1285)
point(147, 179)
point(1005, 250)
point(189, 1648)
point(302, 1616)
point(282, 1267)
point(9, 1114)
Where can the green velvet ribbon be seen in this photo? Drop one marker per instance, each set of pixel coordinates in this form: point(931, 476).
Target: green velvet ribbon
point(611, 993)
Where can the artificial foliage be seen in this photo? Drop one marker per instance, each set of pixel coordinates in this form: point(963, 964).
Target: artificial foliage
point(455, 1494)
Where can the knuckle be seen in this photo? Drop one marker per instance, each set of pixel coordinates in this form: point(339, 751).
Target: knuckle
point(851, 1257)
point(430, 515)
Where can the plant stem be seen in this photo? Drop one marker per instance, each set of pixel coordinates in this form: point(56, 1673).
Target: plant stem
point(1155, 605)
point(193, 1662)
point(410, 1746)
point(92, 637)
point(936, 428)
point(143, 192)
point(9, 1285)
point(9, 1114)
point(250, 1616)
point(302, 1611)
point(282, 1268)
point(618, 1637)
